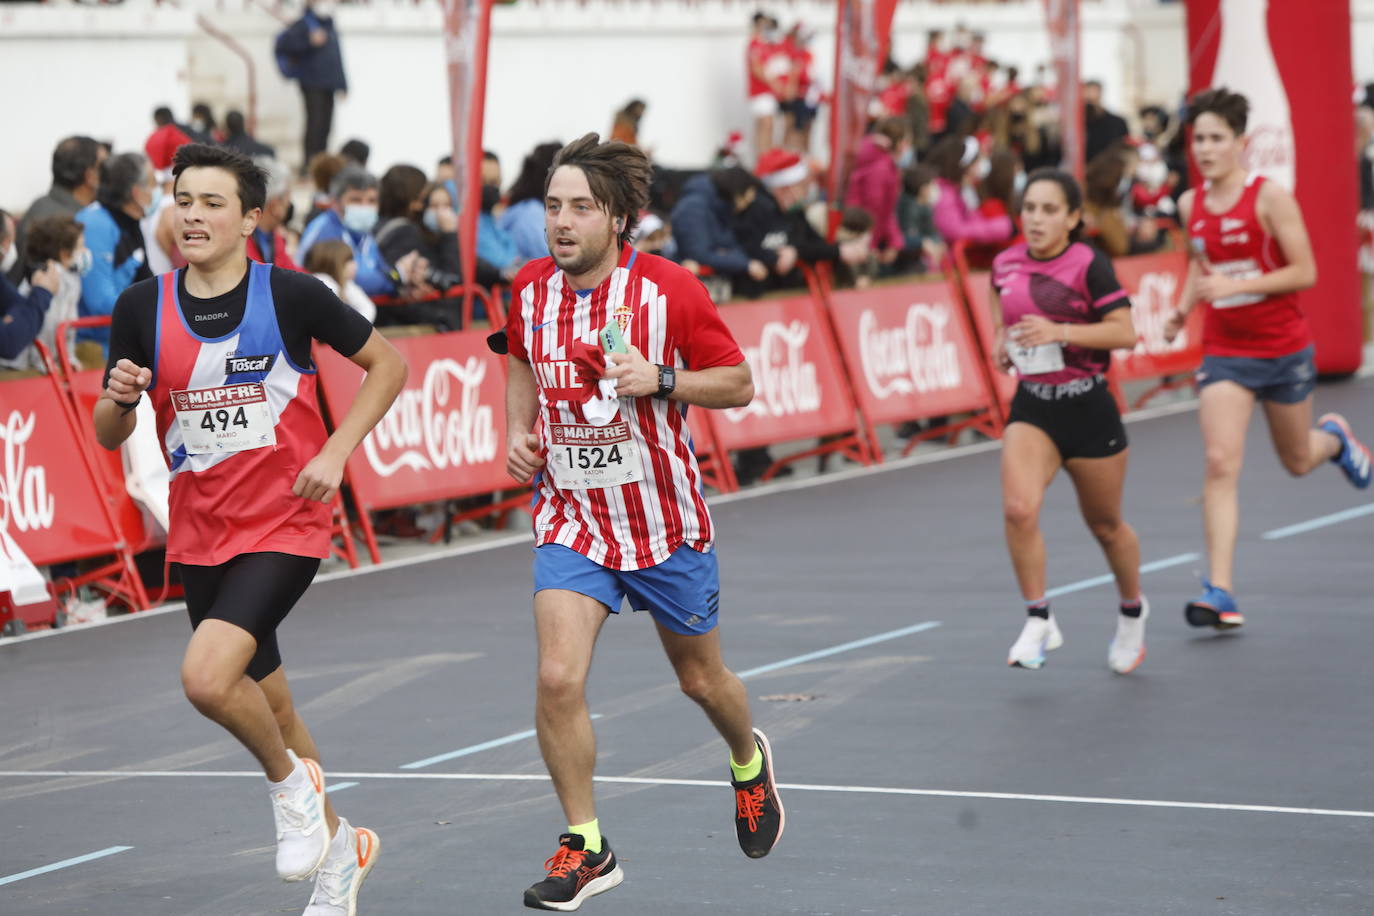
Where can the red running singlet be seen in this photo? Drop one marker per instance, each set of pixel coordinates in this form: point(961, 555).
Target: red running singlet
point(1236, 245)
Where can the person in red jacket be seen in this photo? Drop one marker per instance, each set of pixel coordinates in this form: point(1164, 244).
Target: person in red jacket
point(876, 182)
point(267, 244)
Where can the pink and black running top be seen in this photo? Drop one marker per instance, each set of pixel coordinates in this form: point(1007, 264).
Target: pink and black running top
point(1077, 286)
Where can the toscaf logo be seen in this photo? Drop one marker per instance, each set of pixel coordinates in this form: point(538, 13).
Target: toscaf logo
point(784, 382)
point(423, 432)
point(914, 357)
point(24, 496)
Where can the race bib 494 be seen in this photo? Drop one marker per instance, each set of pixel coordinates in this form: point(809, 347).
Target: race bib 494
point(230, 418)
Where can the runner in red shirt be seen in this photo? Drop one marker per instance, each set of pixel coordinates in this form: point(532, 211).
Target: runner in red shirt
point(223, 350)
point(1251, 255)
point(608, 347)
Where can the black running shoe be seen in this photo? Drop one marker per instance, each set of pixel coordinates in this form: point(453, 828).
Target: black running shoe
point(574, 875)
point(758, 810)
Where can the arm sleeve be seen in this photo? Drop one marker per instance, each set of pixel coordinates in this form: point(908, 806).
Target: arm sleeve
point(1104, 290)
point(515, 319)
point(374, 274)
point(101, 286)
point(696, 242)
point(699, 333)
point(131, 326)
point(321, 314)
point(21, 317)
point(955, 225)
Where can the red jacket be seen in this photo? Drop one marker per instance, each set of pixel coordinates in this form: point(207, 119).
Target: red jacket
point(875, 185)
point(279, 256)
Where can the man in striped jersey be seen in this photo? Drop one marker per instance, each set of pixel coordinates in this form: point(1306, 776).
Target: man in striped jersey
point(619, 511)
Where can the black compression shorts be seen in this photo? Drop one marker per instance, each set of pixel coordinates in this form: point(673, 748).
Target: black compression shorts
point(253, 591)
point(1080, 417)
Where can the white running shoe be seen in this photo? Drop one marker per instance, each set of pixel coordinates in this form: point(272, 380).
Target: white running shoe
point(302, 835)
point(345, 869)
point(1127, 649)
point(1037, 637)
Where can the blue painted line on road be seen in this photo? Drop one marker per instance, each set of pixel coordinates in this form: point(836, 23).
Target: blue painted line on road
point(1335, 518)
point(65, 863)
point(1095, 581)
point(340, 786)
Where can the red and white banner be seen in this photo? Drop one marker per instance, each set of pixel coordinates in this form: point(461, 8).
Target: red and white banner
point(1291, 59)
point(467, 33)
point(444, 438)
point(800, 390)
point(49, 504)
point(1155, 283)
point(863, 29)
point(1061, 17)
point(910, 351)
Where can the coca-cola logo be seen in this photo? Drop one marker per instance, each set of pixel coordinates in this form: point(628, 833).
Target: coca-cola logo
point(1151, 305)
point(24, 496)
point(435, 426)
point(913, 357)
point(785, 383)
point(1269, 150)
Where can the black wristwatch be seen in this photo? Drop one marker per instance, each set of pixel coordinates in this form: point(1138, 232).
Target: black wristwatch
point(667, 381)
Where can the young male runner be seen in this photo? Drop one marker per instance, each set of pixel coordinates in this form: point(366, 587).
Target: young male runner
point(223, 350)
point(619, 510)
point(1251, 256)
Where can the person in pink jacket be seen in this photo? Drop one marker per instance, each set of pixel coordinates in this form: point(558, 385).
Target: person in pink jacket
point(876, 182)
point(961, 165)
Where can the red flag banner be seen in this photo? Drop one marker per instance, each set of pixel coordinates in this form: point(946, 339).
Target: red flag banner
point(467, 30)
point(1061, 18)
point(863, 30)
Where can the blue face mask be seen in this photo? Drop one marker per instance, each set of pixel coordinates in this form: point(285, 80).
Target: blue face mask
point(431, 221)
point(156, 200)
point(82, 261)
point(360, 217)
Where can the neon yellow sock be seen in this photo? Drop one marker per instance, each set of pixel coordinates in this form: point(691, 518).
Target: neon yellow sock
point(590, 833)
point(747, 771)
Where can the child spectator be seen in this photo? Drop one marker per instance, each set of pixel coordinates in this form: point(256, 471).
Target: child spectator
point(331, 261)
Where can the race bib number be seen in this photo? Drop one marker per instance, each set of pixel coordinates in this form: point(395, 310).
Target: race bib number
point(591, 457)
point(1244, 269)
point(231, 418)
point(1036, 360)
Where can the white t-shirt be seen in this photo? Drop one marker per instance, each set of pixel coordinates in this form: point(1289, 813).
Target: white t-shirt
point(352, 296)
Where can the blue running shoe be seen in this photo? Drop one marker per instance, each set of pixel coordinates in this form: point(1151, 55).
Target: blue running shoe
point(1214, 608)
point(1354, 457)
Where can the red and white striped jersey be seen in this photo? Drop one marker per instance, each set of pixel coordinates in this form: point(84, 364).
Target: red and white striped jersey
point(665, 312)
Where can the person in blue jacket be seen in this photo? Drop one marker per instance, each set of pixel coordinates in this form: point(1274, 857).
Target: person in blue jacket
point(21, 317)
point(351, 219)
point(308, 51)
point(703, 222)
point(128, 192)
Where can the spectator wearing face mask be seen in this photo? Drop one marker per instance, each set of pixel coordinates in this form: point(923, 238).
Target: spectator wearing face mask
point(876, 182)
point(417, 218)
point(493, 244)
point(119, 258)
point(960, 166)
point(158, 231)
point(308, 51)
point(54, 242)
point(703, 224)
point(202, 126)
point(21, 315)
point(352, 218)
point(75, 178)
point(267, 243)
point(523, 219)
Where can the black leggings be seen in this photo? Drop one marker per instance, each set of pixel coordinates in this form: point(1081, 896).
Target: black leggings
point(253, 591)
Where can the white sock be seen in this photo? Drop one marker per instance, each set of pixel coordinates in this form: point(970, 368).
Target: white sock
point(339, 845)
point(296, 778)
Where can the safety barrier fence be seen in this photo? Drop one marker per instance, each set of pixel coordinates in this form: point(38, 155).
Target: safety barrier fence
point(829, 365)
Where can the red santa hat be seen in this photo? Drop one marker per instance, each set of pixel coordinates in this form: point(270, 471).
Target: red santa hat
point(162, 146)
point(779, 168)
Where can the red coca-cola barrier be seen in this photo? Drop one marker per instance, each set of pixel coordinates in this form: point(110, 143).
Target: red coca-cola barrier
point(913, 354)
point(51, 500)
point(443, 439)
point(801, 389)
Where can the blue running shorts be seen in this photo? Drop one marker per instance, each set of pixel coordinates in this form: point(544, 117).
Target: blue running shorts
point(1283, 379)
point(682, 593)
